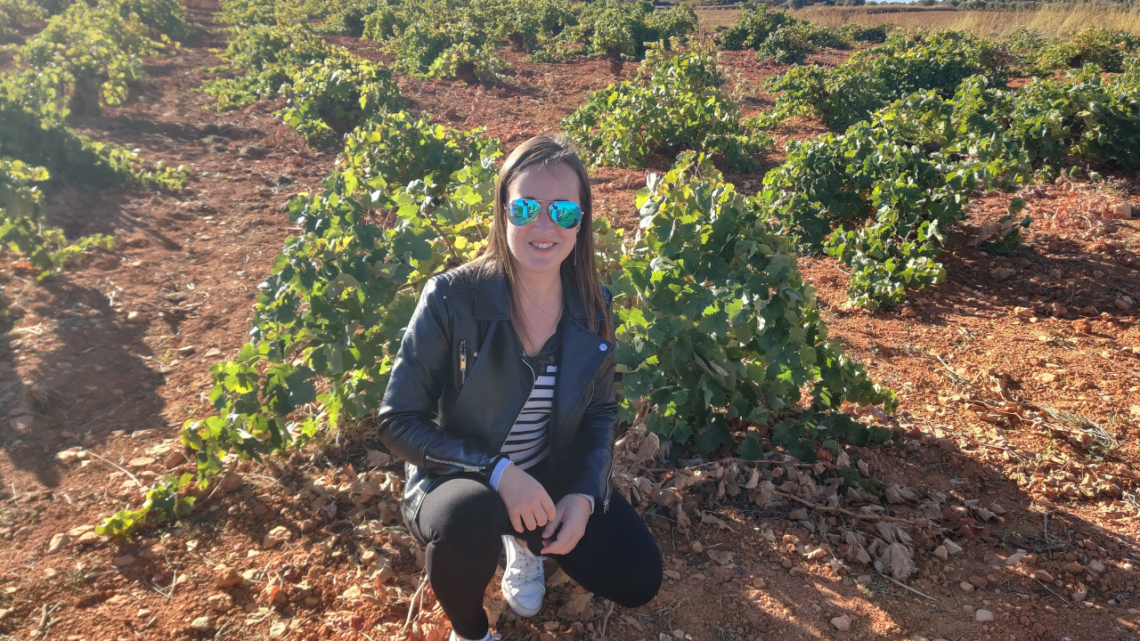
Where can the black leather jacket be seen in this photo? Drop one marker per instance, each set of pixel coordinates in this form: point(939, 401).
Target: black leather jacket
point(459, 381)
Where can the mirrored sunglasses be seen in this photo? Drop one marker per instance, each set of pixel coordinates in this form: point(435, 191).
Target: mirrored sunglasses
point(524, 211)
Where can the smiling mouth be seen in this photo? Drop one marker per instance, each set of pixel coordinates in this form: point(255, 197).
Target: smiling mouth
point(546, 245)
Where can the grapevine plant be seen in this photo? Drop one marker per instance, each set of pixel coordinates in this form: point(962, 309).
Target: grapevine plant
point(873, 78)
point(785, 39)
point(881, 196)
point(85, 54)
point(328, 90)
point(677, 103)
point(22, 229)
point(717, 327)
point(100, 48)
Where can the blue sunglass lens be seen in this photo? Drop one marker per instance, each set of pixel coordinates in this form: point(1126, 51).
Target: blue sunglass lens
point(565, 213)
point(524, 211)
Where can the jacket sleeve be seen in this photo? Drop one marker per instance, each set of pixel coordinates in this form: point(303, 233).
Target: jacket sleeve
point(592, 453)
point(408, 411)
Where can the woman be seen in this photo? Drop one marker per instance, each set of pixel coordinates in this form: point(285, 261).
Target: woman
point(501, 403)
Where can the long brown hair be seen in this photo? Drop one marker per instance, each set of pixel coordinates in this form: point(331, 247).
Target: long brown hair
point(579, 268)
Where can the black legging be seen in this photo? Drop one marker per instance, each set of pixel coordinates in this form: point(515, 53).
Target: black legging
point(462, 521)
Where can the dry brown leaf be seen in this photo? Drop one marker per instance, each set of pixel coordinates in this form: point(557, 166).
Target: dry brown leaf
point(897, 561)
point(723, 557)
point(979, 511)
point(577, 607)
point(856, 548)
point(753, 479)
point(377, 458)
point(931, 510)
point(650, 446)
point(893, 532)
point(709, 519)
point(899, 494)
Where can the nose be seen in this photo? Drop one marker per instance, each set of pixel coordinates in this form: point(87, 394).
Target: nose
point(545, 223)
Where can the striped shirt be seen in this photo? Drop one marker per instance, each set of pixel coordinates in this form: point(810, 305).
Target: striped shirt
point(529, 440)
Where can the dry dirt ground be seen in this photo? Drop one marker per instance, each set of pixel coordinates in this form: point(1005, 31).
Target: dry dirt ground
point(1019, 380)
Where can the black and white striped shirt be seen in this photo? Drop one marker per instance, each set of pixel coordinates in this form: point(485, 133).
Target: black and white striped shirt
point(529, 440)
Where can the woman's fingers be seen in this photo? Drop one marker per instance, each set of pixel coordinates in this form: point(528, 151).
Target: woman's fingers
point(559, 517)
point(528, 520)
point(567, 539)
point(548, 506)
point(516, 521)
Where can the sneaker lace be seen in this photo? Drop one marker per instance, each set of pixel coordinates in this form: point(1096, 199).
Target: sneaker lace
point(528, 564)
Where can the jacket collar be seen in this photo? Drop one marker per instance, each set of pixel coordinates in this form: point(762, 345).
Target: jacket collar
point(492, 303)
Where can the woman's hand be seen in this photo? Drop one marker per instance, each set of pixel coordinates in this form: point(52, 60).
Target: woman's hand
point(527, 501)
point(572, 514)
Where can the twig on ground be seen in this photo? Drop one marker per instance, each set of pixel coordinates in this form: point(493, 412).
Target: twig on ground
point(606, 619)
point(1063, 599)
point(414, 604)
point(691, 468)
point(907, 587)
point(112, 411)
point(120, 468)
point(45, 622)
point(854, 515)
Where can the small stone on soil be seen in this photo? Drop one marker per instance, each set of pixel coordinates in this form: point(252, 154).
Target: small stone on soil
point(221, 602)
point(58, 542)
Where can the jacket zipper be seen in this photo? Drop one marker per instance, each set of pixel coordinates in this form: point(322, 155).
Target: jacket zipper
point(462, 362)
point(533, 378)
point(609, 487)
point(467, 467)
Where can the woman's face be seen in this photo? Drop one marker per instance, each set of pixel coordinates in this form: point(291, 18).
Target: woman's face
point(542, 245)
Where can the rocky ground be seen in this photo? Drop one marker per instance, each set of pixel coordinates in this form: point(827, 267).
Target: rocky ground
point(1009, 507)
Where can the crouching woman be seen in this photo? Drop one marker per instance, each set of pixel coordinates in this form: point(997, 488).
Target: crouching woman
point(501, 403)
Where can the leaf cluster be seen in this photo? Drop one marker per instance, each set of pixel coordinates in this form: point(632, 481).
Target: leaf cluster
point(101, 48)
point(880, 196)
point(615, 30)
point(717, 328)
point(342, 292)
point(33, 109)
point(786, 39)
point(873, 78)
point(1104, 48)
point(261, 58)
point(677, 103)
point(332, 96)
point(22, 228)
point(16, 13)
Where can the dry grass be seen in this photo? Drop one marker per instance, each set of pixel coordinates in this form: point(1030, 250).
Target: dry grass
point(1061, 21)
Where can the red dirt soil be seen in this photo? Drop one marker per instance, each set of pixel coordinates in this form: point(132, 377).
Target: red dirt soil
point(114, 356)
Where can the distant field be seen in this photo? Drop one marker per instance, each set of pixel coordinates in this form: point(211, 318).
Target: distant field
point(1055, 21)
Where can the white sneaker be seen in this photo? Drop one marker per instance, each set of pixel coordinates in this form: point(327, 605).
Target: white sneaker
point(524, 581)
point(490, 636)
